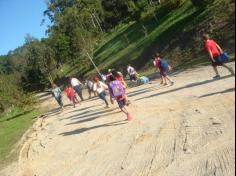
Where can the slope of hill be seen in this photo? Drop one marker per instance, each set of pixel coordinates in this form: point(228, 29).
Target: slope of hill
point(176, 34)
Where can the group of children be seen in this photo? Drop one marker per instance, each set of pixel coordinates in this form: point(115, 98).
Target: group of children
point(113, 83)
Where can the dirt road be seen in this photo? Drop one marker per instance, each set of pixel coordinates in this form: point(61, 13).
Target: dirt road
point(181, 130)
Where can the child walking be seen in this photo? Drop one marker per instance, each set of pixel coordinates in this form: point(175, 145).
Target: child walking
point(56, 91)
point(119, 77)
point(101, 88)
point(164, 68)
point(215, 52)
point(71, 94)
point(117, 90)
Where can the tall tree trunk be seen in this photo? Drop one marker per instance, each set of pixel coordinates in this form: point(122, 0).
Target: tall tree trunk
point(93, 21)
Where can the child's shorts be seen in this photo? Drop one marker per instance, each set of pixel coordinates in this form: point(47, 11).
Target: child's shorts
point(121, 103)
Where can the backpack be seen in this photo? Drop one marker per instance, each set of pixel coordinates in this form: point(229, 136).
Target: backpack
point(224, 57)
point(164, 65)
point(117, 88)
point(144, 80)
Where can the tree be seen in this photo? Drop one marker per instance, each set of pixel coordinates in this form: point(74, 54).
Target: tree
point(40, 61)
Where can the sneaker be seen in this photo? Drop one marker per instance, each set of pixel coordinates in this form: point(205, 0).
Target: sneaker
point(129, 117)
point(216, 77)
point(128, 103)
point(172, 83)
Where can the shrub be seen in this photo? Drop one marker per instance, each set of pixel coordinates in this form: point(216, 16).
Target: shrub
point(173, 4)
point(11, 95)
point(202, 3)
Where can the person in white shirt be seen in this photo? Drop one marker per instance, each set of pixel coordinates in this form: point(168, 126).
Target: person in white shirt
point(76, 84)
point(132, 73)
point(101, 88)
point(89, 85)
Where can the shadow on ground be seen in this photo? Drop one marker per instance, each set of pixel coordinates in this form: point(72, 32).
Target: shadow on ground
point(82, 130)
point(185, 87)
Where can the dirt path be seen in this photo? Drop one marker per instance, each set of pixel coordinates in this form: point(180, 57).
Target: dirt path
point(182, 130)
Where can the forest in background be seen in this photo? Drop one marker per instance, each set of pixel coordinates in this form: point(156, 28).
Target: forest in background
point(113, 33)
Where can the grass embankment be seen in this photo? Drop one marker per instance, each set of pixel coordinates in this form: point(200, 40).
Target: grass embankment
point(176, 34)
point(12, 127)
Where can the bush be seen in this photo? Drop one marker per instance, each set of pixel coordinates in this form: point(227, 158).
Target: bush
point(173, 4)
point(202, 3)
point(12, 96)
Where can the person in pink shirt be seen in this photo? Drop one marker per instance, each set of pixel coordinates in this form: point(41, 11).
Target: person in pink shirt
point(215, 51)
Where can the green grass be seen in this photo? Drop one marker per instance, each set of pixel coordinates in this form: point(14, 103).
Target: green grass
point(173, 35)
point(12, 126)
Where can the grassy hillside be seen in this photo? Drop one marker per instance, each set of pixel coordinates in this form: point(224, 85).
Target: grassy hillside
point(175, 34)
point(12, 126)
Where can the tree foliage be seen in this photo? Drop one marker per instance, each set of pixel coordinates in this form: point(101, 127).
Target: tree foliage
point(76, 27)
point(202, 3)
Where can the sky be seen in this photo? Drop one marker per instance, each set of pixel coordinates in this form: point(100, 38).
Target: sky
point(18, 18)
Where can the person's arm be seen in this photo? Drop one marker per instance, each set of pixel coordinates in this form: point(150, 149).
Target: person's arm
point(211, 55)
point(155, 65)
point(104, 85)
point(220, 49)
point(80, 82)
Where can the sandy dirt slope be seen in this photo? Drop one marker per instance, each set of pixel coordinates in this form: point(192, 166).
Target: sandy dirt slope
point(181, 130)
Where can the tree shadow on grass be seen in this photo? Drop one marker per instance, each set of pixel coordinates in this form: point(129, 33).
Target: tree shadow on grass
point(16, 116)
point(82, 130)
point(185, 87)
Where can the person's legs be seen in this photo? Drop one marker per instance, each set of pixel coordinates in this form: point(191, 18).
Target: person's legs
point(162, 79)
point(111, 99)
point(124, 109)
point(90, 93)
point(95, 93)
point(59, 101)
point(231, 70)
point(165, 80)
point(103, 97)
point(74, 101)
point(79, 92)
point(216, 70)
point(168, 78)
point(133, 78)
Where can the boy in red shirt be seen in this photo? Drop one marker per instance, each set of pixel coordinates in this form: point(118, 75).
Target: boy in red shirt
point(71, 94)
point(215, 52)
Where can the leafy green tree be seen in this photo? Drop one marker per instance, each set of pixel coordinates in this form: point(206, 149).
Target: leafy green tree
point(40, 62)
